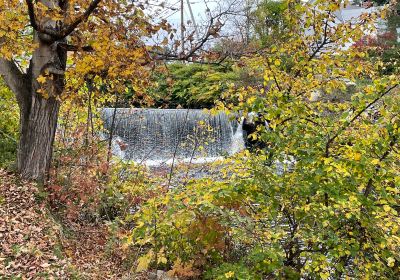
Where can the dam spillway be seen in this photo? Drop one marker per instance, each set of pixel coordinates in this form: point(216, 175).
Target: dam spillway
point(159, 135)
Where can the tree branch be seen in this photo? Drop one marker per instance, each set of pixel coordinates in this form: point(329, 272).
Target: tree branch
point(35, 25)
point(67, 30)
point(13, 78)
point(319, 47)
point(213, 27)
point(369, 187)
point(70, 28)
point(356, 116)
point(31, 12)
point(73, 48)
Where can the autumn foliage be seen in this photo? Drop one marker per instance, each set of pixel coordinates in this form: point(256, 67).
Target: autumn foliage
point(321, 201)
point(319, 198)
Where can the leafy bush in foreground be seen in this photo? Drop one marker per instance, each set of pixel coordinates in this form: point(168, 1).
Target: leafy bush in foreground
point(321, 201)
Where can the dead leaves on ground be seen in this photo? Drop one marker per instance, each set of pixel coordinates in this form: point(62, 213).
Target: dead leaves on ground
point(35, 246)
point(29, 239)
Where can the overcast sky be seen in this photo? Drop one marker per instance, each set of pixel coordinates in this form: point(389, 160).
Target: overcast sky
point(170, 10)
point(199, 7)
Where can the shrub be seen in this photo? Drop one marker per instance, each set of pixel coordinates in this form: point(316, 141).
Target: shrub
point(9, 124)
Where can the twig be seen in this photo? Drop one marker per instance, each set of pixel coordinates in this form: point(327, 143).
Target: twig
point(347, 124)
point(9, 137)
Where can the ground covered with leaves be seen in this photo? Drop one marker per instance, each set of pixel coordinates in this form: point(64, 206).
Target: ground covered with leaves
point(35, 245)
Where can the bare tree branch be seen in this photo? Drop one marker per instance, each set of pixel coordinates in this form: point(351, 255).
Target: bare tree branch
point(73, 48)
point(212, 30)
point(13, 78)
point(213, 25)
point(31, 12)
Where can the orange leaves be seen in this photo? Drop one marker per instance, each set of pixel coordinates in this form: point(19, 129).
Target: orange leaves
point(185, 270)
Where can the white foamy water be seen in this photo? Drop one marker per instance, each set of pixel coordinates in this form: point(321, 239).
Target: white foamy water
point(184, 160)
point(238, 143)
point(165, 136)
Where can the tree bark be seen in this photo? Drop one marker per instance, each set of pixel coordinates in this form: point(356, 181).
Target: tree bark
point(39, 110)
point(37, 133)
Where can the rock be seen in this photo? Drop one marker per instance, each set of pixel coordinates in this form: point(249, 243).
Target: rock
point(162, 275)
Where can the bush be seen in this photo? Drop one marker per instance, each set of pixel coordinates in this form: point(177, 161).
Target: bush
point(9, 124)
point(190, 85)
point(321, 200)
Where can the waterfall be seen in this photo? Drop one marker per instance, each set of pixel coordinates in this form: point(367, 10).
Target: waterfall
point(161, 135)
point(238, 143)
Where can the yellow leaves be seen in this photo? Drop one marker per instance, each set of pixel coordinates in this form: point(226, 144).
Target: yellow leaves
point(229, 275)
point(334, 6)
point(383, 13)
point(165, 42)
point(390, 261)
point(251, 100)
point(328, 168)
point(352, 154)
point(277, 62)
point(375, 161)
point(324, 275)
point(41, 79)
point(386, 208)
point(241, 97)
point(340, 168)
point(357, 156)
point(353, 199)
point(161, 258)
point(98, 63)
point(144, 261)
point(13, 29)
point(393, 190)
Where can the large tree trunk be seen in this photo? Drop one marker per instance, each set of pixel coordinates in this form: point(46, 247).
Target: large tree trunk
point(39, 110)
point(37, 132)
point(40, 105)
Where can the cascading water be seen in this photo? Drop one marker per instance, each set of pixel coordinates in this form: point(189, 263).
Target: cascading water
point(238, 142)
point(161, 135)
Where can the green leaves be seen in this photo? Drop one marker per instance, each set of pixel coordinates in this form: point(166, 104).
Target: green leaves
point(9, 119)
point(321, 200)
point(191, 85)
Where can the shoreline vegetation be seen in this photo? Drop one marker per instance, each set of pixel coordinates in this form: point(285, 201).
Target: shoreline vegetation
point(293, 174)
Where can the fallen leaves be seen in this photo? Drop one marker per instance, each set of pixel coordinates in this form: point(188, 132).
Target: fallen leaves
point(35, 246)
point(28, 237)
